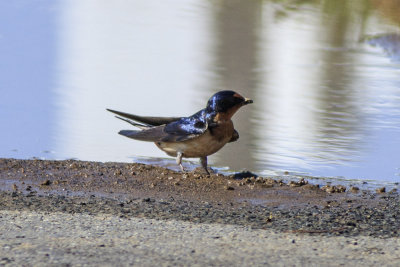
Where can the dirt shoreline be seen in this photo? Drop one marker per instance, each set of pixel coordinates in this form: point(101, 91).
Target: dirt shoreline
point(71, 212)
point(138, 190)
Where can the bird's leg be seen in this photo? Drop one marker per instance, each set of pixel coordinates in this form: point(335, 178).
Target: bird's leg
point(203, 161)
point(179, 160)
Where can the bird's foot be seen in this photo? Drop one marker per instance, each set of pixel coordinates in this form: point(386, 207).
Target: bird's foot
point(179, 161)
point(210, 171)
point(182, 169)
point(203, 161)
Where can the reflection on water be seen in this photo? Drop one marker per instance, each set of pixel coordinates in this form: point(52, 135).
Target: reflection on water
point(326, 103)
point(390, 43)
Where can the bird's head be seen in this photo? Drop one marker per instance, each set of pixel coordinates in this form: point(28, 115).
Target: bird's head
point(226, 103)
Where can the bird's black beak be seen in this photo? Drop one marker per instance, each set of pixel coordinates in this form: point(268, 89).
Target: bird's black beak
point(247, 101)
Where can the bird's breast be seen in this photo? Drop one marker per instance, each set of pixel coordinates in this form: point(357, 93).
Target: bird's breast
point(206, 144)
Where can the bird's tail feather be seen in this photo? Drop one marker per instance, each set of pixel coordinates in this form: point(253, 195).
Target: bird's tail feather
point(141, 126)
point(140, 135)
point(150, 121)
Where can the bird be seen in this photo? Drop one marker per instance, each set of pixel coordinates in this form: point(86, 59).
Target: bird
point(195, 136)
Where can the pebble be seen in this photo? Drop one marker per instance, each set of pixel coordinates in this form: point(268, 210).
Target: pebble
point(334, 189)
point(354, 189)
point(117, 173)
point(299, 183)
point(45, 182)
point(381, 190)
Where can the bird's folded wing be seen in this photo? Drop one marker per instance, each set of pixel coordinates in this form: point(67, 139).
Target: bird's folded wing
point(152, 134)
point(177, 130)
point(153, 121)
point(157, 134)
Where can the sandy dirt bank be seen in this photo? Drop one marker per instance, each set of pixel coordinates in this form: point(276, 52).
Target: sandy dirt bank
point(75, 212)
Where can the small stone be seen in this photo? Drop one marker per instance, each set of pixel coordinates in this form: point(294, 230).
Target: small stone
point(228, 187)
point(351, 223)
point(243, 175)
point(73, 165)
point(341, 189)
point(334, 189)
point(46, 182)
point(329, 189)
point(117, 172)
point(302, 182)
point(354, 189)
point(381, 190)
point(270, 181)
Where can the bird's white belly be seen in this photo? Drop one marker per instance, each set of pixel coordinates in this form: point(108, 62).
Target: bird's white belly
point(201, 146)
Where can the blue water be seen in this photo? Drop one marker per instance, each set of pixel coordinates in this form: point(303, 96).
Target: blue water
point(327, 98)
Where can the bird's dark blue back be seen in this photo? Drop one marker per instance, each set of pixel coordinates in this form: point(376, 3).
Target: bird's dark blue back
point(195, 124)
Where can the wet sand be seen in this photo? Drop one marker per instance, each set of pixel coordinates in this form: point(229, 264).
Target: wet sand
point(265, 210)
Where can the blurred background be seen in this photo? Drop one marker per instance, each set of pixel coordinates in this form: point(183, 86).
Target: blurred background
point(324, 76)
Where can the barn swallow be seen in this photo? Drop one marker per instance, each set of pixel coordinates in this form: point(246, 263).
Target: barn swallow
point(196, 136)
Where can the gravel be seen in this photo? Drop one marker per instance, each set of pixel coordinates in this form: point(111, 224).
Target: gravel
point(77, 213)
